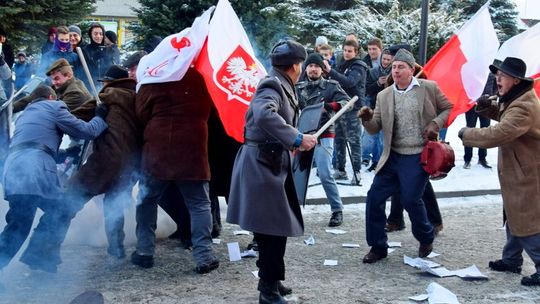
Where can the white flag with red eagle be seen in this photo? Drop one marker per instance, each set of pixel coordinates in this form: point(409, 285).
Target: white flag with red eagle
point(230, 69)
point(170, 60)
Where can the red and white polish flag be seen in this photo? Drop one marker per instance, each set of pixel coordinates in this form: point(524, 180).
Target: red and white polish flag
point(461, 66)
point(173, 56)
point(230, 69)
point(525, 47)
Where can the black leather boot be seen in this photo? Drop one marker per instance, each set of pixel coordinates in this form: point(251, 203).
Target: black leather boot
point(269, 293)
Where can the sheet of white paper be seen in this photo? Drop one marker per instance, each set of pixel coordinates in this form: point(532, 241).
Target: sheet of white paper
point(394, 244)
point(471, 272)
point(419, 298)
point(390, 250)
point(336, 231)
point(440, 295)
point(216, 241)
point(350, 245)
point(249, 254)
point(432, 255)
point(241, 232)
point(310, 240)
point(330, 262)
point(234, 252)
point(441, 272)
point(419, 262)
point(255, 273)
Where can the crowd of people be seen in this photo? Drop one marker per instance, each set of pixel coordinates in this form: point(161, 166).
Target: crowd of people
point(164, 137)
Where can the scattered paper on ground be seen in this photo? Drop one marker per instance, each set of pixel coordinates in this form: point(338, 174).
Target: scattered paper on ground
point(419, 262)
point(249, 254)
point(394, 244)
point(336, 231)
point(330, 262)
point(255, 273)
point(241, 232)
point(234, 252)
point(216, 241)
point(350, 245)
point(433, 254)
point(310, 240)
point(471, 272)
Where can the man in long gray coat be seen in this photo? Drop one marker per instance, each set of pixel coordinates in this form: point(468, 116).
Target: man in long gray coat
point(30, 180)
point(263, 197)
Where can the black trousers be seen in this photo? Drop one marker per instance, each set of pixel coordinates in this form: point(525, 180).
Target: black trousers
point(271, 252)
point(471, 116)
point(430, 201)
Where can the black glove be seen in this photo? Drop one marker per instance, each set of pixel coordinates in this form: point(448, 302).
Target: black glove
point(102, 111)
point(2, 61)
point(431, 131)
point(483, 101)
point(73, 151)
point(366, 113)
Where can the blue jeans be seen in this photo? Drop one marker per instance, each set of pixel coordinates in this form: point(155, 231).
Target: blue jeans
point(372, 146)
point(401, 174)
point(195, 194)
point(323, 157)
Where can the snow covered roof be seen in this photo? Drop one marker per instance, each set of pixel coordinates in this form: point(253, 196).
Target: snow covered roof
point(116, 8)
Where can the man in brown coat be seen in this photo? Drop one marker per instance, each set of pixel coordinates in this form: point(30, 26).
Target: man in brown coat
point(410, 112)
point(518, 137)
point(68, 88)
point(174, 116)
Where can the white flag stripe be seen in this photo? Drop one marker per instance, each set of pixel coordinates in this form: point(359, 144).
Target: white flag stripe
point(479, 50)
point(173, 56)
point(525, 47)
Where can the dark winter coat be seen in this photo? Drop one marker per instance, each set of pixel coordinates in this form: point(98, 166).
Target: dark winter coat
point(518, 137)
point(322, 90)
point(116, 152)
point(263, 198)
point(100, 57)
point(23, 73)
point(33, 171)
point(52, 56)
point(351, 75)
point(174, 116)
point(372, 85)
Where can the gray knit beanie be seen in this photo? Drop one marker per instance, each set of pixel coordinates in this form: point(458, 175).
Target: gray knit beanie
point(75, 29)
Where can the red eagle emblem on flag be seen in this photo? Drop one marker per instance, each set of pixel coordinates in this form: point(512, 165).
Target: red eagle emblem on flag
point(239, 76)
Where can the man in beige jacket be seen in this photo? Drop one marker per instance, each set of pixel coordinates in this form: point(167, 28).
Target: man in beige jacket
point(410, 112)
point(518, 137)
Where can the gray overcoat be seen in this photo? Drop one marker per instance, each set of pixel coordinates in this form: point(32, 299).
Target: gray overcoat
point(33, 171)
point(262, 199)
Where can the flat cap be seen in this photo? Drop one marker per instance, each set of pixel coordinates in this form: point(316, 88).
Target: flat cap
point(287, 52)
point(405, 56)
point(115, 72)
point(60, 63)
point(134, 59)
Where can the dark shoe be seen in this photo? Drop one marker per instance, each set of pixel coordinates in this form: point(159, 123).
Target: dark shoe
point(424, 250)
point(375, 254)
point(391, 227)
point(186, 243)
point(365, 162)
point(533, 280)
point(144, 261)
point(484, 164)
point(336, 219)
point(216, 230)
point(117, 251)
point(283, 290)
point(340, 175)
point(206, 268)
point(269, 293)
point(372, 167)
point(500, 265)
point(253, 245)
point(467, 165)
point(36, 263)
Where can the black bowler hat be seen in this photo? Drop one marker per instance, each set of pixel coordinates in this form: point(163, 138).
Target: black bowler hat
point(115, 72)
point(287, 52)
point(512, 66)
point(134, 59)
